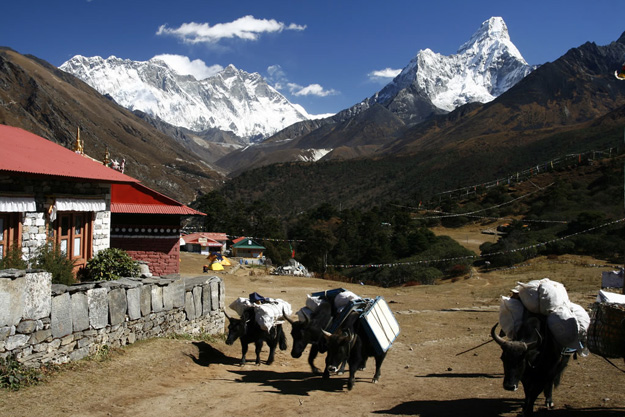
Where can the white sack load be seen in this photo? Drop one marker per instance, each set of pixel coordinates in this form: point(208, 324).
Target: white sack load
point(240, 304)
point(342, 299)
point(542, 296)
point(510, 316)
point(569, 326)
point(528, 293)
point(610, 297)
point(270, 313)
point(313, 302)
point(552, 295)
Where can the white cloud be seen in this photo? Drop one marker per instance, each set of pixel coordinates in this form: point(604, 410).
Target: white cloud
point(277, 77)
point(184, 66)
point(246, 28)
point(310, 90)
point(383, 76)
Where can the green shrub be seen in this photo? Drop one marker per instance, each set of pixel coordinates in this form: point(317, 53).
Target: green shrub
point(51, 258)
point(14, 375)
point(111, 264)
point(12, 258)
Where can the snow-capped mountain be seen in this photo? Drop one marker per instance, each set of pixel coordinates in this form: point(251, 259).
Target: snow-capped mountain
point(483, 68)
point(232, 100)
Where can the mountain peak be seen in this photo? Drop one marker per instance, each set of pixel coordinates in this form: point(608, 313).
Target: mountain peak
point(491, 30)
point(484, 67)
point(231, 100)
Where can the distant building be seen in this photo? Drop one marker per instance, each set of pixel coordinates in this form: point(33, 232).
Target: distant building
point(246, 248)
point(204, 242)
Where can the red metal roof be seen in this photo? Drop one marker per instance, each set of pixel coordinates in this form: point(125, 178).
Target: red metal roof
point(27, 153)
point(192, 237)
point(139, 199)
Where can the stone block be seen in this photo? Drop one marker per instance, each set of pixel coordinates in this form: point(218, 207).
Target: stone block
point(206, 300)
point(157, 298)
point(214, 294)
point(189, 306)
point(16, 341)
point(133, 296)
point(5, 332)
point(12, 300)
point(197, 301)
point(80, 311)
point(61, 316)
point(118, 305)
point(178, 289)
point(173, 295)
point(146, 300)
point(37, 296)
point(27, 327)
point(40, 336)
point(98, 308)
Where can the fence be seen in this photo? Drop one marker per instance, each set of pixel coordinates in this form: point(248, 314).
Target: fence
point(41, 322)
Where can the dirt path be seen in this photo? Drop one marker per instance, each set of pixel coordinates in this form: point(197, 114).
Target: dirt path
point(423, 375)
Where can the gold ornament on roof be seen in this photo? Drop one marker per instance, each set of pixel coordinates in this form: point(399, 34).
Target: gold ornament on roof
point(107, 158)
point(78, 146)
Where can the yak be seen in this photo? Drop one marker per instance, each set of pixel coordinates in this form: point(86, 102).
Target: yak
point(308, 332)
point(349, 342)
point(533, 358)
point(249, 331)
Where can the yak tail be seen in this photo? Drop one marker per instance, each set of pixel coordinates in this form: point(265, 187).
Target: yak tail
point(281, 338)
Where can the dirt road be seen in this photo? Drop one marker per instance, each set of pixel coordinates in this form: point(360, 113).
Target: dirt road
point(423, 375)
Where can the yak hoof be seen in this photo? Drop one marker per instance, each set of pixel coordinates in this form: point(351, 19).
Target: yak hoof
point(549, 404)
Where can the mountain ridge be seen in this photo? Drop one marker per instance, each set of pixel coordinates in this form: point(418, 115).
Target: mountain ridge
point(231, 100)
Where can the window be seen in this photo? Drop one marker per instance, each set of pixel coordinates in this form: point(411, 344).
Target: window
point(73, 235)
point(9, 232)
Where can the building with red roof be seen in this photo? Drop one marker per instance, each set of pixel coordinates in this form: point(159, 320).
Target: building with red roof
point(205, 242)
point(50, 193)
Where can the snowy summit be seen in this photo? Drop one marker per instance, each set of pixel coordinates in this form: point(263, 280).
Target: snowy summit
point(231, 100)
point(483, 68)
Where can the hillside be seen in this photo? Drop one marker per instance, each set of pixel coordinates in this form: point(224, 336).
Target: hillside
point(290, 188)
point(37, 97)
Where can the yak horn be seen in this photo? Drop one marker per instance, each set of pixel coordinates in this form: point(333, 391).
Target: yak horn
point(327, 335)
point(496, 337)
point(226, 314)
point(287, 317)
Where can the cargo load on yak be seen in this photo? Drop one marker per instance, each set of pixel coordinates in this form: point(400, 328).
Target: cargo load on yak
point(268, 311)
point(376, 316)
point(338, 298)
point(568, 322)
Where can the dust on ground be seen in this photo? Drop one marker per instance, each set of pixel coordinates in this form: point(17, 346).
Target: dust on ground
point(424, 373)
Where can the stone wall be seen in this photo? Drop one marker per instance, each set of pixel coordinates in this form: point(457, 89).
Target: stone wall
point(45, 323)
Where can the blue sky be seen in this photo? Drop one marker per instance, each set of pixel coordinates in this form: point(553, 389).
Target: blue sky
point(321, 54)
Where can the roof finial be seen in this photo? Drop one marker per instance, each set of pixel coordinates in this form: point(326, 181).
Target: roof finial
point(107, 157)
point(78, 147)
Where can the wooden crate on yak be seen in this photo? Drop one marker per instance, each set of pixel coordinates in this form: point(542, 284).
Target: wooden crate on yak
point(606, 333)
